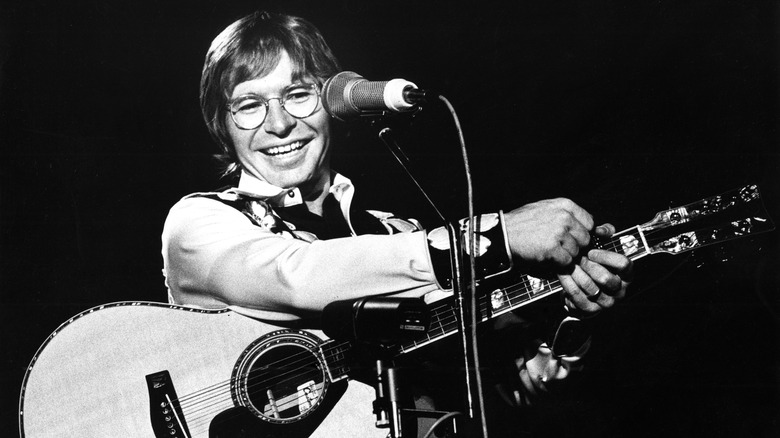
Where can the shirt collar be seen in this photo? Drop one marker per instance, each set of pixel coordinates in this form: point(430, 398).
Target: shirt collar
point(249, 185)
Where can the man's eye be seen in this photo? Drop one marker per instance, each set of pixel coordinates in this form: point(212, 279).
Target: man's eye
point(248, 106)
point(298, 95)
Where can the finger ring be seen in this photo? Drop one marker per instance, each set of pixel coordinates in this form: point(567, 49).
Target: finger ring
point(595, 296)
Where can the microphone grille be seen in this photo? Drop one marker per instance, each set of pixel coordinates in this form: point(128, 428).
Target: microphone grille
point(334, 95)
point(368, 95)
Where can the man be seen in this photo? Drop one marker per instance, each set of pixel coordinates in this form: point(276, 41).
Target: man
point(287, 241)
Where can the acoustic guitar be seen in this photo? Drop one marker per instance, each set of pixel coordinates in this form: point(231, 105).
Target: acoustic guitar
point(144, 369)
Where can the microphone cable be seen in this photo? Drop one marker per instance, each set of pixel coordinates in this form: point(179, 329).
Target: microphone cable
point(472, 275)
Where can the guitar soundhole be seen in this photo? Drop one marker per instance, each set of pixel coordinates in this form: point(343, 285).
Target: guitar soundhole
point(282, 379)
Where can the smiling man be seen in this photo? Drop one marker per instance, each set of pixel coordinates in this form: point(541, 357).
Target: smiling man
point(284, 139)
point(286, 240)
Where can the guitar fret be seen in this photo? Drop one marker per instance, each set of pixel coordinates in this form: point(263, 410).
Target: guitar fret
point(441, 327)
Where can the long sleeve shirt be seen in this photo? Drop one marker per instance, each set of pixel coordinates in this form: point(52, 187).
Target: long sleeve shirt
point(232, 248)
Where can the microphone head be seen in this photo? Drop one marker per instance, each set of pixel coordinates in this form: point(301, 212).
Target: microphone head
point(348, 95)
point(336, 95)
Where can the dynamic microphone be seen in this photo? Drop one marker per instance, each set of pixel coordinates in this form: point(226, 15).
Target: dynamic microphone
point(348, 95)
point(376, 319)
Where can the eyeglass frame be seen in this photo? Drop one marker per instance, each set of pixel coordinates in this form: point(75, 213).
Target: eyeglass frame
point(266, 102)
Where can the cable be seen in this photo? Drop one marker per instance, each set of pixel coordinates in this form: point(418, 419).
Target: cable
point(472, 250)
point(439, 421)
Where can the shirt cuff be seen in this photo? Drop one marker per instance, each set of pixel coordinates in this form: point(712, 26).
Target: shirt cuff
point(492, 254)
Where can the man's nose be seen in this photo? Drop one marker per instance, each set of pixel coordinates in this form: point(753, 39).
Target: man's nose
point(278, 121)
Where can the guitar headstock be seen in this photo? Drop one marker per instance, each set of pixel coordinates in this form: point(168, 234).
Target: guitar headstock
point(730, 215)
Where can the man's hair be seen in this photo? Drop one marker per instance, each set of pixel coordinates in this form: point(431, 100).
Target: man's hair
point(251, 48)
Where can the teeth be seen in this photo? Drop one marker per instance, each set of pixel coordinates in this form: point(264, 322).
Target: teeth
point(278, 150)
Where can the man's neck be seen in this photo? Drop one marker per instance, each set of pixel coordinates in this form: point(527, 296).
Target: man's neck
point(315, 192)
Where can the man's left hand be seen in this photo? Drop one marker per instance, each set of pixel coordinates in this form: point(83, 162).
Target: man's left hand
point(598, 279)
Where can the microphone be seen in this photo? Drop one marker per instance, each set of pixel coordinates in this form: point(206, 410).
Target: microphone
point(376, 319)
point(348, 95)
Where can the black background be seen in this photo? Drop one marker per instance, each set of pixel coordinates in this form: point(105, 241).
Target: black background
point(626, 107)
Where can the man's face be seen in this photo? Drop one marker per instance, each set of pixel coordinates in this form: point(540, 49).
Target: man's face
point(284, 151)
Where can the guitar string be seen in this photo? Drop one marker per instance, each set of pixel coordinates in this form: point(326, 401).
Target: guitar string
point(203, 408)
point(299, 361)
point(292, 400)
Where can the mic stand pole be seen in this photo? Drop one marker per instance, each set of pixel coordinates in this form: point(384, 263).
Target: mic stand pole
point(456, 264)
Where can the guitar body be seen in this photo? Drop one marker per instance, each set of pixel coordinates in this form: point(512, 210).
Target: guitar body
point(89, 379)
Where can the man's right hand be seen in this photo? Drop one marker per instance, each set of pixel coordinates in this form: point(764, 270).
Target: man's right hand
point(553, 230)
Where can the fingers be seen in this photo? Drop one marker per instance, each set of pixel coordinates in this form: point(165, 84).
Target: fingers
point(583, 293)
point(554, 230)
point(604, 230)
point(611, 261)
point(570, 248)
point(580, 233)
point(599, 275)
point(597, 283)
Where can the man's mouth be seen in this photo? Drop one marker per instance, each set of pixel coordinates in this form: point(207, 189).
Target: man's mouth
point(285, 149)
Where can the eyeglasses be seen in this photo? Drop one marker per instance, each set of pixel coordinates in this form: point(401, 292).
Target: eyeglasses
point(249, 111)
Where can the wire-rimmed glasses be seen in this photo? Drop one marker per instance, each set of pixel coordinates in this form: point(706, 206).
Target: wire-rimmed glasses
point(249, 111)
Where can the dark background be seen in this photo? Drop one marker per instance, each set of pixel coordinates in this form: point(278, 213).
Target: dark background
point(626, 107)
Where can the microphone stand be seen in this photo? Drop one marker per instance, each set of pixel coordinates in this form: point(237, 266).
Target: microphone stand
point(461, 292)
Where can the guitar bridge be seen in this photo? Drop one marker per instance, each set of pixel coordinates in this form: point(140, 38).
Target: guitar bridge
point(165, 412)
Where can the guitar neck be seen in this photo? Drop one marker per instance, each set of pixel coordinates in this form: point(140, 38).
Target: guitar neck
point(444, 319)
point(734, 214)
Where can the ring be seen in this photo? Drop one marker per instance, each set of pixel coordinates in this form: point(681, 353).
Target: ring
point(595, 296)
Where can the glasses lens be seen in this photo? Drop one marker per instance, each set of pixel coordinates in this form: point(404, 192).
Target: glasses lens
point(301, 101)
point(248, 113)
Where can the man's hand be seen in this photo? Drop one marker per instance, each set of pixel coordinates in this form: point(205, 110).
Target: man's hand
point(555, 232)
point(598, 279)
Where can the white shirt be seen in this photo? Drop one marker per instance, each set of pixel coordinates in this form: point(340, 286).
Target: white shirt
point(214, 256)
